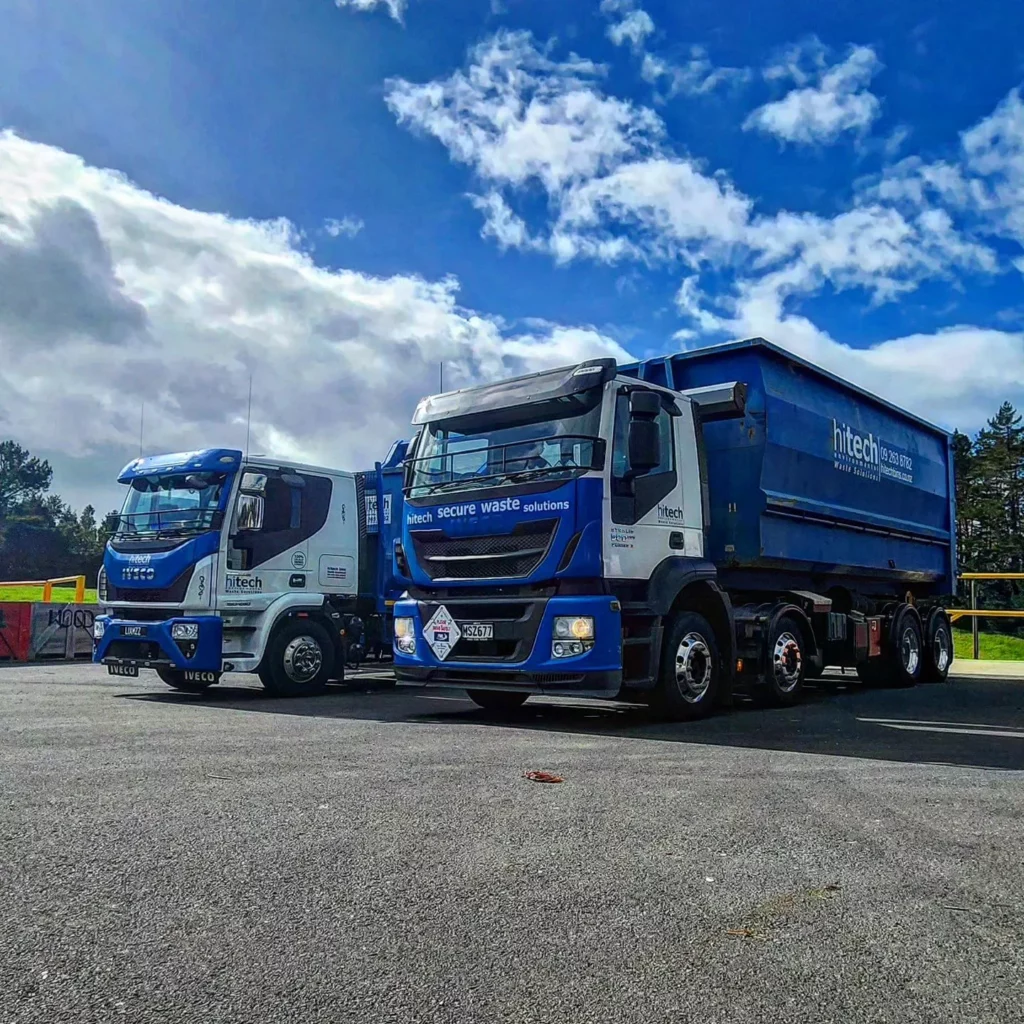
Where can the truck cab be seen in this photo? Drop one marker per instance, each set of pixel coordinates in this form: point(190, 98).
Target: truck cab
point(663, 531)
point(223, 563)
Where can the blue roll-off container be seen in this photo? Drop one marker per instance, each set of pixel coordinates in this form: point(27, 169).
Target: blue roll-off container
point(819, 479)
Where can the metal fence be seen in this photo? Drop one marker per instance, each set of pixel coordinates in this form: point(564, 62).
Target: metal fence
point(975, 613)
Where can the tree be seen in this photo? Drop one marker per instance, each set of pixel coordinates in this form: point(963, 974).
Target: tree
point(41, 536)
point(22, 477)
point(990, 506)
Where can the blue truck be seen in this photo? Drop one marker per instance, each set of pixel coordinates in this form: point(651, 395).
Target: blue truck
point(225, 563)
point(671, 532)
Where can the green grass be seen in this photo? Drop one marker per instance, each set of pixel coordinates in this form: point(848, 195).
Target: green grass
point(61, 595)
point(991, 646)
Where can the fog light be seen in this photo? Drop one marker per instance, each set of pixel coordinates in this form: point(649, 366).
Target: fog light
point(185, 631)
point(405, 628)
point(406, 644)
point(569, 648)
point(99, 627)
point(574, 627)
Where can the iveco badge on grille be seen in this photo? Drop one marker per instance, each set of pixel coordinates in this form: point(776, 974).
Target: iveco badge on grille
point(442, 633)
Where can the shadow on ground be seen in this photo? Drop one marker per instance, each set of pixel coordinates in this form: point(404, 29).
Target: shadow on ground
point(971, 722)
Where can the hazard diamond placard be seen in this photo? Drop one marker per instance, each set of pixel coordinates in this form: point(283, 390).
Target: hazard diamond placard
point(442, 633)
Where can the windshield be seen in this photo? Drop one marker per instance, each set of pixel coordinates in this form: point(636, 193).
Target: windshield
point(555, 439)
point(172, 505)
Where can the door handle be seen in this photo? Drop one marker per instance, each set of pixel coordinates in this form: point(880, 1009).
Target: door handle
point(676, 541)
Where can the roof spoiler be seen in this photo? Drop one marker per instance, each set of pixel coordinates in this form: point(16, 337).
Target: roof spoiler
point(719, 401)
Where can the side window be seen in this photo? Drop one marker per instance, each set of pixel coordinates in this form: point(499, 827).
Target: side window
point(295, 508)
point(282, 508)
point(634, 496)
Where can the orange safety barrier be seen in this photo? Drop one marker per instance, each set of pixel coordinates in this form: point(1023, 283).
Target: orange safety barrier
point(48, 585)
point(975, 613)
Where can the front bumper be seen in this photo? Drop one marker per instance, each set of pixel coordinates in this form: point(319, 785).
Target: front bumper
point(519, 658)
point(149, 644)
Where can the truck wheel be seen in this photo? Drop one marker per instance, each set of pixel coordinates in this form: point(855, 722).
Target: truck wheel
point(786, 664)
point(177, 679)
point(906, 648)
point(497, 700)
point(298, 660)
point(691, 669)
point(938, 647)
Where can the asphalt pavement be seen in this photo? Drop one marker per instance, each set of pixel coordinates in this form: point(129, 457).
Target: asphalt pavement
point(377, 855)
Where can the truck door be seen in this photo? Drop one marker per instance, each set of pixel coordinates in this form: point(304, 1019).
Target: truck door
point(654, 514)
point(269, 555)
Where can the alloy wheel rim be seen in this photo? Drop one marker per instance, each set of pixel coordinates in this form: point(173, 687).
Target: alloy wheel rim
point(303, 659)
point(910, 650)
point(787, 662)
point(694, 665)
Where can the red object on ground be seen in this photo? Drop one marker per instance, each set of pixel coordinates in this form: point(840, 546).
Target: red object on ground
point(15, 631)
point(542, 777)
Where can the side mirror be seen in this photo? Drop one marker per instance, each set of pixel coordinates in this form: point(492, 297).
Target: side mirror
point(644, 439)
point(253, 483)
point(250, 513)
point(644, 446)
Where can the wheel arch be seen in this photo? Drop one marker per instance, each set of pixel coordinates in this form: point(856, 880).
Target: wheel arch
point(320, 614)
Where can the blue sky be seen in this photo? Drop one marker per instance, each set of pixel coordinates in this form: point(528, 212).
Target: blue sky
point(795, 170)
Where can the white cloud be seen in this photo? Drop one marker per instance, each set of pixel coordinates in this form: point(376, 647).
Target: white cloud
point(348, 227)
point(114, 297)
point(838, 102)
point(696, 76)
point(520, 118)
point(634, 27)
point(396, 8)
point(994, 151)
point(983, 184)
point(516, 115)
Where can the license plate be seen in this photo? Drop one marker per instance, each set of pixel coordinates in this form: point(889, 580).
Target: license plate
point(133, 631)
point(477, 630)
point(123, 670)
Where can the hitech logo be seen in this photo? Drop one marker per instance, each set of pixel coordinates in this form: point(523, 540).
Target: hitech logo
point(855, 452)
point(244, 585)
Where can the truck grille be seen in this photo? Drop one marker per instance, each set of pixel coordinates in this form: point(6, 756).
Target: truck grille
point(492, 556)
point(174, 594)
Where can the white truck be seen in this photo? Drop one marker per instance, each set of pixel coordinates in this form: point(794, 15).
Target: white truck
point(225, 563)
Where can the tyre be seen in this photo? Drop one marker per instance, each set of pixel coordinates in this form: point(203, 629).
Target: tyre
point(497, 700)
point(906, 648)
point(785, 665)
point(188, 682)
point(690, 678)
point(298, 660)
point(938, 647)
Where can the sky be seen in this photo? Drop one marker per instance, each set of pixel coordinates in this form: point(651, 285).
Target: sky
point(337, 197)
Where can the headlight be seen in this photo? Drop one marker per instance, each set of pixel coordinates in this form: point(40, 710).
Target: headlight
point(185, 631)
point(406, 645)
point(405, 628)
point(99, 627)
point(101, 585)
point(579, 627)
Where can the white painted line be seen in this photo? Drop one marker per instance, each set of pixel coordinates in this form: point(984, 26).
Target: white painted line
point(927, 721)
point(910, 727)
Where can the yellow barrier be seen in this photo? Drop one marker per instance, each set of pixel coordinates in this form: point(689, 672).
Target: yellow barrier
point(975, 613)
point(48, 585)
